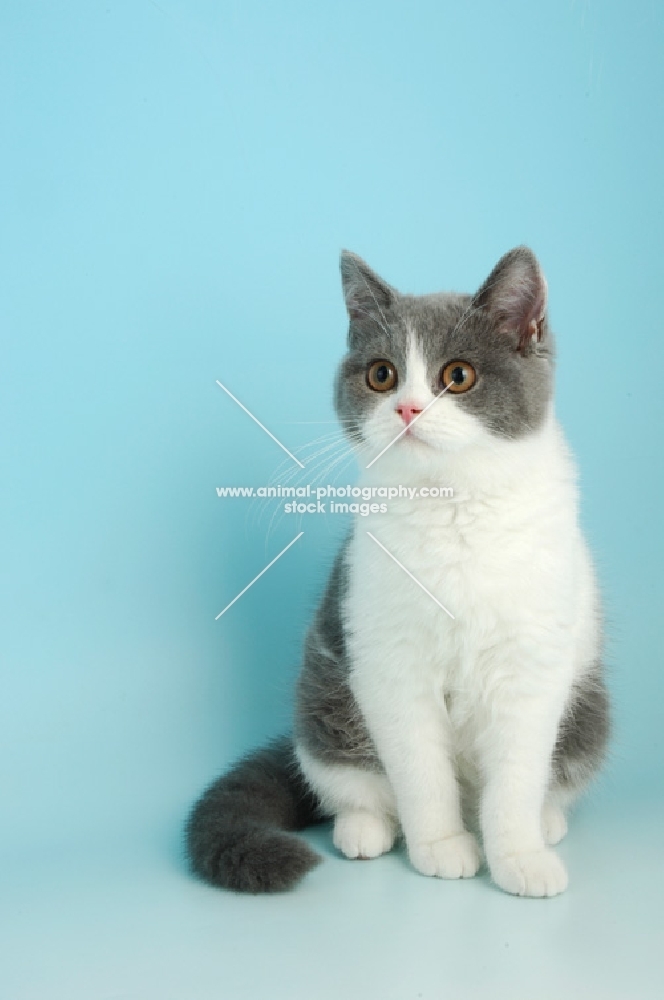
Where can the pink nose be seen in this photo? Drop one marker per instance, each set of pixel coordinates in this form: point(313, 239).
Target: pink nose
point(408, 411)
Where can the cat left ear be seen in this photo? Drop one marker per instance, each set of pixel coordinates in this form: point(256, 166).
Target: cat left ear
point(515, 295)
point(365, 293)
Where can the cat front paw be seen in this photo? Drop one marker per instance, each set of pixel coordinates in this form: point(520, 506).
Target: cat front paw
point(361, 834)
point(533, 873)
point(451, 857)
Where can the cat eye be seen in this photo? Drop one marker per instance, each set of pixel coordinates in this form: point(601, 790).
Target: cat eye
point(458, 376)
point(381, 375)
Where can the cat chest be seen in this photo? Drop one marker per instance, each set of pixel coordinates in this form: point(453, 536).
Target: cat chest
point(438, 572)
point(450, 603)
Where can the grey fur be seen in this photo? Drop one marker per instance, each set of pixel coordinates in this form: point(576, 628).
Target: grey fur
point(237, 832)
point(583, 733)
point(235, 835)
point(329, 723)
point(512, 391)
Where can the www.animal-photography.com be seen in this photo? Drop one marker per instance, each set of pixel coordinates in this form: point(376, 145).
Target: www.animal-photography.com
point(332, 561)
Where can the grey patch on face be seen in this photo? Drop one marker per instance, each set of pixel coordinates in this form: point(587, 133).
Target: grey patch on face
point(511, 393)
point(512, 390)
point(376, 331)
point(583, 733)
point(328, 720)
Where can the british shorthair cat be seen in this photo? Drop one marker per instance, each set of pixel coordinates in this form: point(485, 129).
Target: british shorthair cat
point(469, 710)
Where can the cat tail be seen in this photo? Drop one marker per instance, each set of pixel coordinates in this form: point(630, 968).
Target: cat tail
point(236, 834)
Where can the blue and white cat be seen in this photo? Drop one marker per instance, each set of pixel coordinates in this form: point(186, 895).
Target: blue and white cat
point(484, 711)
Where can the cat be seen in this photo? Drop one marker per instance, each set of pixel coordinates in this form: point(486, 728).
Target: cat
point(474, 711)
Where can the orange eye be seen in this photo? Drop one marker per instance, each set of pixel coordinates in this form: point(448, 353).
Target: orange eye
point(381, 376)
point(458, 376)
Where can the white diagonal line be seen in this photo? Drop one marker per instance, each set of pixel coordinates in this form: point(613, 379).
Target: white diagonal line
point(262, 426)
point(407, 571)
point(402, 432)
point(258, 577)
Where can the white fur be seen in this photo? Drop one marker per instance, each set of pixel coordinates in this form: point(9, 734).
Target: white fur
point(347, 788)
point(362, 834)
point(554, 823)
point(477, 697)
point(362, 803)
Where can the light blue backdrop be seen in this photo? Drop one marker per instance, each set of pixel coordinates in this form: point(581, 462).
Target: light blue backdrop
point(177, 181)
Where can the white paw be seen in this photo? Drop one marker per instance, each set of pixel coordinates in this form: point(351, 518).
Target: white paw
point(535, 873)
point(554, 824)
point(362, 834)
point(452, 857)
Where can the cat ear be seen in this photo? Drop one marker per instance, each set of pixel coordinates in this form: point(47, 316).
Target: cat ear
point(514, 295)
point(365, 293)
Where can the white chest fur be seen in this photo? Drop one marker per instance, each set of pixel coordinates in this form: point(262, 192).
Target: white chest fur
point(504, 556)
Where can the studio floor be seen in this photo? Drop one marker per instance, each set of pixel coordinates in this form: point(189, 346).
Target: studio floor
point(128, 923)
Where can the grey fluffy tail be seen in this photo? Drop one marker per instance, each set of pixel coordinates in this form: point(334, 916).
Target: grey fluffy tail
point(236, 835)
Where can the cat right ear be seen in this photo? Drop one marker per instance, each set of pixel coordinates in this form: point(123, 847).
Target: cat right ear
point(365, 293)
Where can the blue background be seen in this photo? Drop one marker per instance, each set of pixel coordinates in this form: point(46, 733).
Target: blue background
point(177, 181)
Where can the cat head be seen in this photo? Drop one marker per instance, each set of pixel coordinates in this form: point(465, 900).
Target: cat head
point(491, 353)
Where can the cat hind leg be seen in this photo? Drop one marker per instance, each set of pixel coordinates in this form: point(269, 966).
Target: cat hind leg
point(361, 801)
